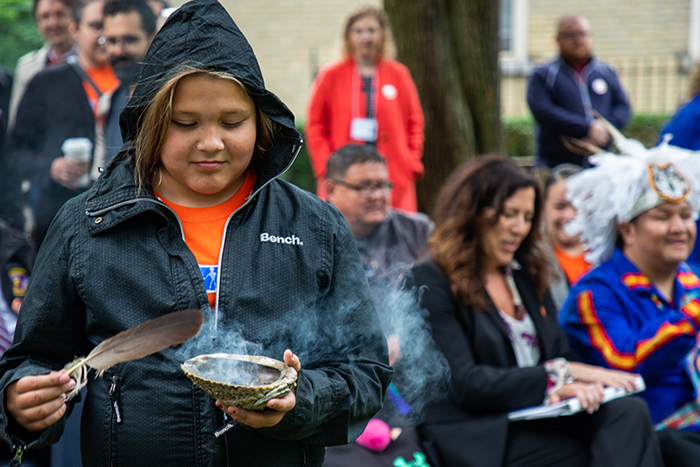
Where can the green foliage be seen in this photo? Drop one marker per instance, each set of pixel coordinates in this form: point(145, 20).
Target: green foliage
point(646, 128)
point(519, 134)
point(18, 33)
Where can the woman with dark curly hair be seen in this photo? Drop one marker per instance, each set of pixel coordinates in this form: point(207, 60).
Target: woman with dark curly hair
point(485, 289)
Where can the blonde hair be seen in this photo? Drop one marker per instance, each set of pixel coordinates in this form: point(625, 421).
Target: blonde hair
point(387, 48)
point(154, 123)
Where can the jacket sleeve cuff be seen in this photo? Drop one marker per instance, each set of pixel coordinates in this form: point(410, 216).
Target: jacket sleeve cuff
point(14, 432)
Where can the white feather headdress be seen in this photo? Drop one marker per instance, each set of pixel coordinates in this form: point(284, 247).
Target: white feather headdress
point(620, 187)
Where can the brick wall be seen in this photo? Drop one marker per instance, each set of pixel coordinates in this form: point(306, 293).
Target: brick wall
point(629, 27)
point(292, 39)
point(646, 41)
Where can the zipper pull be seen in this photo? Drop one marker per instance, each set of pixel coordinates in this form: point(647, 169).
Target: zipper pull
point(228, 424)
point(114, 397)
point(17, 460)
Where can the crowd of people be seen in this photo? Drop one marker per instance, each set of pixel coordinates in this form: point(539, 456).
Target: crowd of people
point(521, 290)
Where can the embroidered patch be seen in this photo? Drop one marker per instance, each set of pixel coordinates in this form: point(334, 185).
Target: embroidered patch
point(20, 279)
point(210, 275)
point(668, 182)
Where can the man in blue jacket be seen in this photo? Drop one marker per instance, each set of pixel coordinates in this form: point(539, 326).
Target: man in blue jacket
point(563, 94)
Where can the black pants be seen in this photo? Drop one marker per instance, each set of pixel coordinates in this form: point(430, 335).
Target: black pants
point(680, 448)
point(619, 434)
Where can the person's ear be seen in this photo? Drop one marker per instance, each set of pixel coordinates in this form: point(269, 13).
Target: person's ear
point(73, 30)
point(330, 190)
point(626, 231)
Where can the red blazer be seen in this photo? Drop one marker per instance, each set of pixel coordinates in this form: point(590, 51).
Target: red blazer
point(399, 119)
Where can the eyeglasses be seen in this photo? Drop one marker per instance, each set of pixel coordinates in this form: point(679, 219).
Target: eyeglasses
point(574, 35)
point(367, 190)
point(126, 42)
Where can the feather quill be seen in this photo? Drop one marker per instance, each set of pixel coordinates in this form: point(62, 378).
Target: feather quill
point(140, 341)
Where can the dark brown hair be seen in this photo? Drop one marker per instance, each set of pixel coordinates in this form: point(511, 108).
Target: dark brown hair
point(340, 160)
point(484, 182)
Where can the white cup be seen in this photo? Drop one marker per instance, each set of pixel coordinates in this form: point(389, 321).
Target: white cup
point(79, 150)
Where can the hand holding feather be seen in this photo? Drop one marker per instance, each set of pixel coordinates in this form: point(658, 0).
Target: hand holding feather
point(145, 339)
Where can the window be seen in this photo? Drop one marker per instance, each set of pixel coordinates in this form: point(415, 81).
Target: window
point(505, 26)
point(512, 31)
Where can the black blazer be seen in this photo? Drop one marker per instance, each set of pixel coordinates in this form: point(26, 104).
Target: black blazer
point(469, 427)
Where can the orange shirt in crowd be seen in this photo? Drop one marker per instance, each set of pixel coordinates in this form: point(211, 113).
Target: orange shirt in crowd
point(574, 266)
point(105, 79)
point(204, 230)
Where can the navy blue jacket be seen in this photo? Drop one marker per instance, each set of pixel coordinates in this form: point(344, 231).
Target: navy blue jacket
point(562, 106)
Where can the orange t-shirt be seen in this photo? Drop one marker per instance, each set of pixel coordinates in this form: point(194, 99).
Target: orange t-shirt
point(105, 79)
point(574, 266)
point(204, 230)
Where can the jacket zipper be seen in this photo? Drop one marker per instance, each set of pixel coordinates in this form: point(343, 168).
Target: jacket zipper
point(114, 400)
point(18, 449)
point(295, 149)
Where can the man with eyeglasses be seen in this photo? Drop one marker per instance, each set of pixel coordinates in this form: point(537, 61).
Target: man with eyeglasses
point(565, 94)
point(61, 103)
point(129, 27)
point(389, 240)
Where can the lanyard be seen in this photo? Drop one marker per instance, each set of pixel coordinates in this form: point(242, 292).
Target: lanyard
point(355, 95)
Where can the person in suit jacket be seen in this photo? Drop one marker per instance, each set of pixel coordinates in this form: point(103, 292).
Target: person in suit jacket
point(485, 290)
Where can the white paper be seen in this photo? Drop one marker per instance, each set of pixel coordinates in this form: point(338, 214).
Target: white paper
point(571, 406)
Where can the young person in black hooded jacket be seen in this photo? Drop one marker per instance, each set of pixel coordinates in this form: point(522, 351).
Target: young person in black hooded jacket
point(203, 137)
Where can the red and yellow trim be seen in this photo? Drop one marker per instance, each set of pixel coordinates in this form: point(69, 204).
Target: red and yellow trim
point(692, 310)
point(688, 279)
point(599, 337)
point(636, 280)
point(624, 360)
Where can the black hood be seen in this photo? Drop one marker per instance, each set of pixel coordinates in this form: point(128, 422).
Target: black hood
point(201, 34)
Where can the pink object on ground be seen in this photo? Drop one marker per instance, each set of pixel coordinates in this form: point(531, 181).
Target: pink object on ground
point(376, 436)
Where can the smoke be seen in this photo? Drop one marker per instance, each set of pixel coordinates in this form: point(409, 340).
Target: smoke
point(219, 338)
point(421, 371)
point(320, 338)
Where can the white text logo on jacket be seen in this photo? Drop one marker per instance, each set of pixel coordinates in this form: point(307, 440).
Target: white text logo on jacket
point(293, 240)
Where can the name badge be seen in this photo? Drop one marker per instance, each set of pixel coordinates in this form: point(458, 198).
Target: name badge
point(363, 129)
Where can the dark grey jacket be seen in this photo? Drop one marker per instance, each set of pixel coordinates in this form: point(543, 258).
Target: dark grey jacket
point(113, 259)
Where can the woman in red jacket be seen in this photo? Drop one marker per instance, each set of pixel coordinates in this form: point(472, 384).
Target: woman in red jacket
point(367, 98)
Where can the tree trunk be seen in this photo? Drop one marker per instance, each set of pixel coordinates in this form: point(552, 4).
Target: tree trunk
point(451, 48)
